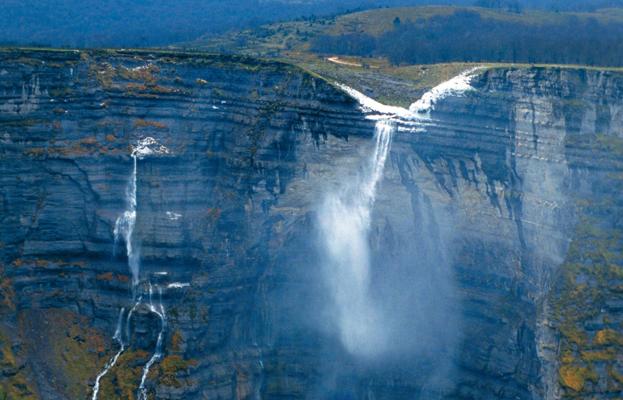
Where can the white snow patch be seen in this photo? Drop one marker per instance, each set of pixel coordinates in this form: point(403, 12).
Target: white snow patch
point(149, 146)
point(140, 67)
point(173, 216)
point(178, 285)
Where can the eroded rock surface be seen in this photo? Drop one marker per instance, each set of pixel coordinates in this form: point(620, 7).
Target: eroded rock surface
point(495, 233)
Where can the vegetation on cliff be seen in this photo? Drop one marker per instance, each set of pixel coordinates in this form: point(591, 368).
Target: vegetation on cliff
point(435, 35)
point(587, 298)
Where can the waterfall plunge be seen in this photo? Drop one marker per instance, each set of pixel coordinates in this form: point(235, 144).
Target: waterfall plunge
point(345, 218)
point(344, 221)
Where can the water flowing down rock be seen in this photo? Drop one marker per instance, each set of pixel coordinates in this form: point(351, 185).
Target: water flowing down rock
point(118, 337)
point(344, 221)
point(125, 224)
point(157, 309)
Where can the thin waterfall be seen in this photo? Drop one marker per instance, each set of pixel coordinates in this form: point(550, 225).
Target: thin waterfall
point(118, 337)
point(159, 311)
point(344, 221)
point(124, 228)
point(129, 318)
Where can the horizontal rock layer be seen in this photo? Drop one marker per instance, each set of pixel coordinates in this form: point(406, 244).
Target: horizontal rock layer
point(473, 222)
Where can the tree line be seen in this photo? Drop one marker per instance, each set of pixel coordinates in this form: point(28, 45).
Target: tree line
point(467, 36)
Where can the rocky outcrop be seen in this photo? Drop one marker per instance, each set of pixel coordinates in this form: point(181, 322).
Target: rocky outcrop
point(477, 235)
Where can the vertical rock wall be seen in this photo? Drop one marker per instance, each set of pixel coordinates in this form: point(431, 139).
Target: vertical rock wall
point(494, 239)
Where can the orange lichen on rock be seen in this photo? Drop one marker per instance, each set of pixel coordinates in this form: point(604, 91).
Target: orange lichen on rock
point(176, 341)
point(575, 377)
point(599, 355)
point(91, 140)
point(106, 276)
point(145, 73)
point(141, 123)
point(109, 276)
point(567, 357)
point(170, 367)
point(41, 263)
point(608, 336)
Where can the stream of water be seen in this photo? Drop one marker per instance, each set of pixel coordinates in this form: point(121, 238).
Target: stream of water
point(124, 229)
point(157, 309)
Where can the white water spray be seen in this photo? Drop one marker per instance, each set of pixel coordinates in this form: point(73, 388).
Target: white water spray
point(345, 218)
point(344, 223)
point(419, 111)
point(456, 86)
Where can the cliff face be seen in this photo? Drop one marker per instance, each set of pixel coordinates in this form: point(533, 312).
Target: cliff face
point(526, 172)
point(494, 239)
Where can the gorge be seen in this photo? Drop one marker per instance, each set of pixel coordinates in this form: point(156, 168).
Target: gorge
point(185, 226)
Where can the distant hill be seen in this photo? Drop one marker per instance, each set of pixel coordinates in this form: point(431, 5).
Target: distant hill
point(433, 34)
point(441, 34)
point(143, 23)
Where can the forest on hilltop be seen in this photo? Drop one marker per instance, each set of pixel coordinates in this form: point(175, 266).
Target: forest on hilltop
point(145, 23)
point(467, 35)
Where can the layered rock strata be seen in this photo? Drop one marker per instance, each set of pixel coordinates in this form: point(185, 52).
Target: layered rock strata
point(495, 238)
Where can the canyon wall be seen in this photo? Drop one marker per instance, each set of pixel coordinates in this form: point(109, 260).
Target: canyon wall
point(495, 238)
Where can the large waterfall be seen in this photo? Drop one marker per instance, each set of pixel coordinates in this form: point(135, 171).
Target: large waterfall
point(344, 219)
point(344, 222)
